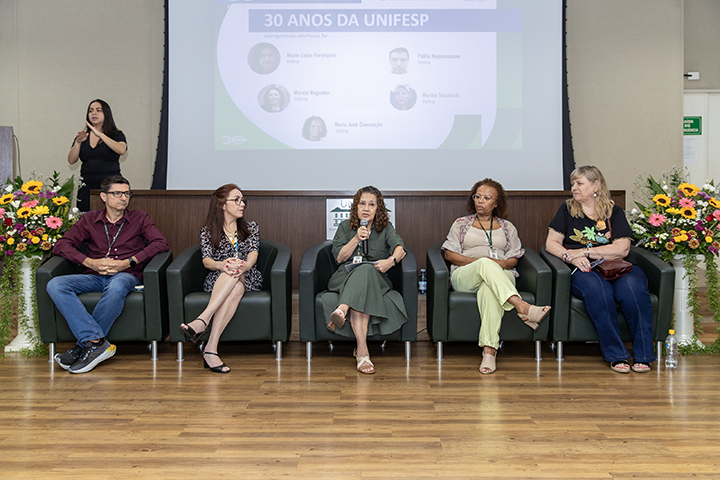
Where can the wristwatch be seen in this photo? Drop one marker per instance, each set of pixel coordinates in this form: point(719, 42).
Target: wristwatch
point(132, 262)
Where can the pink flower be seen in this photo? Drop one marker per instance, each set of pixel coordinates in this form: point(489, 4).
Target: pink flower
point(2, 212)
point(687, 203)
point(657, 219)
point(716, 214)
point(53, 222)
point(30, 204)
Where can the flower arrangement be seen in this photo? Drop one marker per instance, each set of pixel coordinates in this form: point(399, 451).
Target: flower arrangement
point(676, 219)
point(34, 214)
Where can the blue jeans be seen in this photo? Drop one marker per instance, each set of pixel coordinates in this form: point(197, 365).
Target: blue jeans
point(64, 291)
point(600, 297)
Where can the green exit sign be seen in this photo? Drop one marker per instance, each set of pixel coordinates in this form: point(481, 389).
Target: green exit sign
point(692, 125)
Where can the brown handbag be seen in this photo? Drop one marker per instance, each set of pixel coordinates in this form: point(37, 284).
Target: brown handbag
point(615, 268)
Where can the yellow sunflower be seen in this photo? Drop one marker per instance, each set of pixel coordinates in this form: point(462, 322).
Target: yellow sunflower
point(714, 202)
point(7, 198)
point(24, 212)
point(688, 190)
point(31, 187)
point(64, 200)
point(674, 211)
point(661, 199)
point(687, 212)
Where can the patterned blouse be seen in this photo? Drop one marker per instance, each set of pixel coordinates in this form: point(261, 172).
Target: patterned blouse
point(455, 241)
point(253, 277)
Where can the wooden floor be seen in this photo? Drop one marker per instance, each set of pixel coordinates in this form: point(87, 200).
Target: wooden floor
point(134, 418)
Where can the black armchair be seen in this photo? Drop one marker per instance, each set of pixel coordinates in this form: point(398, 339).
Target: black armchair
point(570, 322)
point(316, 268)
point(454, 316)
point(263, 315)
point(144, 316)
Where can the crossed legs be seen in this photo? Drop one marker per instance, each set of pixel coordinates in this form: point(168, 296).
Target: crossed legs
point(224, 300)
point(359, 322)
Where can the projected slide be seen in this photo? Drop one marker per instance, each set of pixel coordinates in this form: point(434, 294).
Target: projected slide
point(337, 94)
point(352, 76)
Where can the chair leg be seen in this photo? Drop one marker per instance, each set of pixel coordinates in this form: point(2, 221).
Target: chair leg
point(408, 351)
point(180, 352)
point(439, 351)
point(153, 350)
point(659, 351)
point(538, 350)
point(278, 350)
point(51, 348)
point(308, 351)
point(559, 352)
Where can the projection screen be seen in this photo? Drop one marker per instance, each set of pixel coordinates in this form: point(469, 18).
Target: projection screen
point(332, 95)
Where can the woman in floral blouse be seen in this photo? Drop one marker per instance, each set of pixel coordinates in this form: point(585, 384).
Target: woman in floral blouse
point(229, 247)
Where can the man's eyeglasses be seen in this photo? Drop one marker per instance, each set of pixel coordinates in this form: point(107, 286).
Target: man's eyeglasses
point(238, 200)
point(482, 198)
point(117, 194)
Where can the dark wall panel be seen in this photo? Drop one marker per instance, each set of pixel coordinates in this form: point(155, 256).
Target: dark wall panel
point(297, 219)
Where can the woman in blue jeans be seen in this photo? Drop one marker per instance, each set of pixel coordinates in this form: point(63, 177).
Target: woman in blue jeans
point(589, 227)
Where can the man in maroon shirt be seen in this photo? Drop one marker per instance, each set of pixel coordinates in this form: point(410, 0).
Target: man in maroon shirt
point(120, 242)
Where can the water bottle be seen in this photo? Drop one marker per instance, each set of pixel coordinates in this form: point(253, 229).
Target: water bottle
point(671, 351)
point(422, 283)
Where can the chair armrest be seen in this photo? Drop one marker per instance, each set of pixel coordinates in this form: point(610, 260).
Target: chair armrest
point(54, 267)
point(536, 277)
point(560, 313)
point(281, 291)
point(438, 292)
point(409, 291)
point(309, 285)
point(155, 296)
point(661, 282)
point(184, 275)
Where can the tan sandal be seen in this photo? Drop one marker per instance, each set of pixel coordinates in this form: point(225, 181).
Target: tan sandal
point(337, 320)
point(488, 365)
point(363, 362)
point(534, 316)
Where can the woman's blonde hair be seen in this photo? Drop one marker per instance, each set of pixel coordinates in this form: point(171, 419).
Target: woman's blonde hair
point(603, 202)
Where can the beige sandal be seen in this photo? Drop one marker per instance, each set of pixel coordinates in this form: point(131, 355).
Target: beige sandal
point(363, 362)
point(337, 320)
point(488, 363)
point(534, 316)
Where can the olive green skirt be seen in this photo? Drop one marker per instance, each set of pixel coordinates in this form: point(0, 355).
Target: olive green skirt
point(368, 291)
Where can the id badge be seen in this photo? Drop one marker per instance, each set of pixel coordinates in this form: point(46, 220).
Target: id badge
point(493, 253)
point(357, 259)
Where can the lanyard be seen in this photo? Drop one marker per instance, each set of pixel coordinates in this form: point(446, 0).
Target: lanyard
point(489, 236)
point(235, 243)
point(107, 234)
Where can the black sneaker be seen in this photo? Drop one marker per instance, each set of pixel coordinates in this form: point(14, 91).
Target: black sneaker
point(92, 354)
point(66, 359)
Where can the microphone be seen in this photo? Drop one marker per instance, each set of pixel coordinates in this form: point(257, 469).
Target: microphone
point(364, 243)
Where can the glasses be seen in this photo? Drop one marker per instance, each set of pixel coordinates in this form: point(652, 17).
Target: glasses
point(482, 198)
point(592, 264)
point(118, 194)
point(238, 200)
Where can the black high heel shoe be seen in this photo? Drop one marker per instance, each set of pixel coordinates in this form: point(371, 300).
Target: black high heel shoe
point(219, 368)
point(190, 332)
